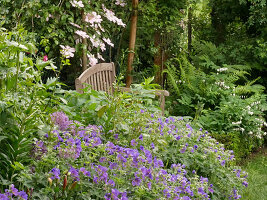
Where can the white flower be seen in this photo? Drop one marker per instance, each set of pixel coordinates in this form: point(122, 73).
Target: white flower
point(108, 41)
point(120, 2)
point(82, 34)
point(67, 51)
point(92, 60)
point(250, 113)
point(111, 17)
point(236, 123)
point(93, 18)
point(75, 25)
point(222, 69)
point(97, 43)
point(78, 4)
point(100, 57)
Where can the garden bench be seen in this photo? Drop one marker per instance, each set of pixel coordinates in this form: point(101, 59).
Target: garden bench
point(102, 76)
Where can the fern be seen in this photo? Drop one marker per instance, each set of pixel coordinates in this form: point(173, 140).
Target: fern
point(171, 71)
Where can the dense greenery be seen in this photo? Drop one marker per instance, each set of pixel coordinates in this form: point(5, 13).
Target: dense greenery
point(59, 144)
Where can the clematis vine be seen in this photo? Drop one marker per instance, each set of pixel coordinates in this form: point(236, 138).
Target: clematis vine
point(93, 28)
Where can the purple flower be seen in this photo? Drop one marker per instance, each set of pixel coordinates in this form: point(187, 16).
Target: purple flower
point(56, 172)
point(136, 181)
point(107, 196)
point(178, 137)
point(14, 190)
point(74, 173)
point(201, 191)
point(61, 120)
point(245, 183)
point(111, 182)
point(152, 145)
point(102, 159)
point(149, 185)
point(141, 137)
point(85, 172)
point(116, 136)
point(23, 195)
point(133, 142)
point(223, 163)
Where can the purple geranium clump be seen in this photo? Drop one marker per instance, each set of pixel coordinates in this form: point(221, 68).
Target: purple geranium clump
point(61, 120)
point(136, 166)
point(12, 193)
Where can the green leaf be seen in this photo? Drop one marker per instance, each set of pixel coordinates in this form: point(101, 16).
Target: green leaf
point(63, 100)
point(2, 138)
point(101, 110)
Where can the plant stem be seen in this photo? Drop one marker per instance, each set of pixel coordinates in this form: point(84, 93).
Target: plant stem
point(17, 74)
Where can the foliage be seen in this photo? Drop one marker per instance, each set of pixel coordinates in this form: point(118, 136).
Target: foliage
point(219, 96)
point(99, 108)
point(68, 27)
point(24, 101)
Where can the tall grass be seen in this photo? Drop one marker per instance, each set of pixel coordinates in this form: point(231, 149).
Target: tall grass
point(257, 179)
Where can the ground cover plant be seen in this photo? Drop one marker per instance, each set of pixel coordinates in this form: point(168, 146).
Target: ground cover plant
point(74, 161)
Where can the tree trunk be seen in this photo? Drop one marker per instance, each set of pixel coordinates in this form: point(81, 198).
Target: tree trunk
point(129, 78)
point(84, 53)
point(160, 57)
point(189, 26)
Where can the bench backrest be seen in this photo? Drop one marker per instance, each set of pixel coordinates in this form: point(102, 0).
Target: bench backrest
point(101, 77)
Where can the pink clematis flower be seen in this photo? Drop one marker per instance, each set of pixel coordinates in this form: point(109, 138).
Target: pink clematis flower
point(45, 58)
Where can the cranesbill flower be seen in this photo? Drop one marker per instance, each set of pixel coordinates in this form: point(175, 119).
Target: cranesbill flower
point(136, 181)
point(141, 137)
point(74, 173)
point(245, 183)
point(133, 142)
point(56, 172)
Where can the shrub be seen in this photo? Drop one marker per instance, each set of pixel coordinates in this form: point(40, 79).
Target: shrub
point(219, 97)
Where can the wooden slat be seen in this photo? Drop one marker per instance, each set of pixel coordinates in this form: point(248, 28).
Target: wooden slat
point(94, 82)
point(105, 81)
point(100, 81)
point(109, 82)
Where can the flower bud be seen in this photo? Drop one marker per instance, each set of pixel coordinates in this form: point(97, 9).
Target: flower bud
point(50, 181)
point(65, 182)
point(73, 185)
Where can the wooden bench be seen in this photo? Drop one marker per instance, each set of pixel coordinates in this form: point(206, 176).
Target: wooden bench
point(102, 76)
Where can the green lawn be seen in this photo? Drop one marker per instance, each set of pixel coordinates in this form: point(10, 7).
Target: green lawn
point(257, 179)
